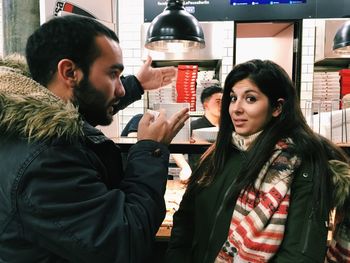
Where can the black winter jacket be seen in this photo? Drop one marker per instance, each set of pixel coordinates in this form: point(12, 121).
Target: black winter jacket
point(200, 226)
point(64, 195)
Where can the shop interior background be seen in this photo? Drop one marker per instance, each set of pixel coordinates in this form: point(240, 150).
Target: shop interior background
point(130, 17)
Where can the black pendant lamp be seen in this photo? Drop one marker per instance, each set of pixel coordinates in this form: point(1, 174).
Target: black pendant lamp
point(341, 42)
point(175, 30)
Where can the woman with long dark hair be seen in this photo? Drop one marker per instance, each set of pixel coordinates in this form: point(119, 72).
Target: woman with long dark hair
point(264, 191)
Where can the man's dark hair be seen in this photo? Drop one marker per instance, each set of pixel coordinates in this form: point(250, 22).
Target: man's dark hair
point(209, 91)
point(68, 37)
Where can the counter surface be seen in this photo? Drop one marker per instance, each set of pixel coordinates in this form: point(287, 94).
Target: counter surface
point(173, 195)
point(177, 147)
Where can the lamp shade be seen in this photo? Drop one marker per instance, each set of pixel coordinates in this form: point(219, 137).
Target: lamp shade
point(341, 42)
point(174, 30)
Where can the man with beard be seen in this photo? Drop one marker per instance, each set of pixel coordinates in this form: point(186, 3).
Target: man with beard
point(65, 196)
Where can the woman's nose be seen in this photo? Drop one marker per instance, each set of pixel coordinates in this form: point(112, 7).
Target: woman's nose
point(237, 106)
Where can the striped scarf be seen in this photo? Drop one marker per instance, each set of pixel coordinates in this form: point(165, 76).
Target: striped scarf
point(258, 224)
point(339, 248)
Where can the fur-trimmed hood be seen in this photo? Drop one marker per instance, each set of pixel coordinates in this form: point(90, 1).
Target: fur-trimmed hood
point(29, 109)
point(341, 182)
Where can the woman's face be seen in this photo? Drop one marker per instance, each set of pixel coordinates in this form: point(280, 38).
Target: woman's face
point(249, 109)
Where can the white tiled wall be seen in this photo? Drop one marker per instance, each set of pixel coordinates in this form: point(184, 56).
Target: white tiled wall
point(130, 18)
point(227, 60)
point(307, 60)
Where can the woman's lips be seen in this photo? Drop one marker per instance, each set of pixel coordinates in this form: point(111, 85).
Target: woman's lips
point(239, 123)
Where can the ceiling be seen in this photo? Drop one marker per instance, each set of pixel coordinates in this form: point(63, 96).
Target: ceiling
point(264, 29)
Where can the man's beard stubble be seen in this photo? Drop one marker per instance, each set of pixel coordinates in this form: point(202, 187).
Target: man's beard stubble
point(91, 103)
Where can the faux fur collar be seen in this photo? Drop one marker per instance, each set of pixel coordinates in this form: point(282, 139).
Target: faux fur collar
point(341, 182)
point(29, 109)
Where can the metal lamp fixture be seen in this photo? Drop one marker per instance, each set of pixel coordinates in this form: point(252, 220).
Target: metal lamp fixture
point(341, 42)
point(175, 30)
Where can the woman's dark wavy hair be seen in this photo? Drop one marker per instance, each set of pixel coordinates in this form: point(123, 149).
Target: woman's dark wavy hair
point(68, 37)
point(314, 150)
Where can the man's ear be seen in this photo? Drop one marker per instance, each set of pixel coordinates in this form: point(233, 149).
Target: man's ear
point(278, 109)
point(68, 72)
point(205, 105)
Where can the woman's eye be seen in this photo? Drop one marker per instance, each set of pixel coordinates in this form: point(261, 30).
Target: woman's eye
point(233, 98)
point(251, 99)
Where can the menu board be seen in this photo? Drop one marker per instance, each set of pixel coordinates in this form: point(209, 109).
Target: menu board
point(265, 2)
point(254, 10)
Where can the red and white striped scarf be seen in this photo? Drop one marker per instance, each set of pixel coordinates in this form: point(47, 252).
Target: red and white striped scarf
point(258, 224)
point(339, 248)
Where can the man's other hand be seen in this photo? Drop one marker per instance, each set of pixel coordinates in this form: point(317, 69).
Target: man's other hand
point(154, 78)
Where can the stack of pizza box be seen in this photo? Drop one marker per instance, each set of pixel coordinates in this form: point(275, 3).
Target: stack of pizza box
point(186, 85)
point(326, 91)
